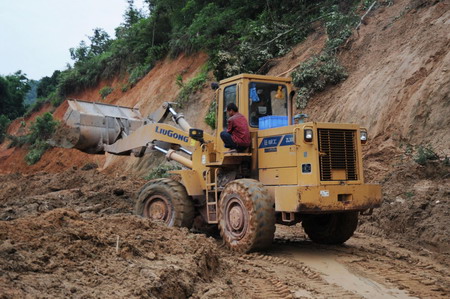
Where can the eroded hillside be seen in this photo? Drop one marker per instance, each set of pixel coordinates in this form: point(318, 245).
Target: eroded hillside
point(398, 86)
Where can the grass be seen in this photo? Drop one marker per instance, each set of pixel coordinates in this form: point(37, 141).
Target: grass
point(425, 154)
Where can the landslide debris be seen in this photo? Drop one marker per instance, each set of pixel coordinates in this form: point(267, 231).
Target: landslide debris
point(85, 190)
point(416, 206)
point(73, 234)
point(63, 253)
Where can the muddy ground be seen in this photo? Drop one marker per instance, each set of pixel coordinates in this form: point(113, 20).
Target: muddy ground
point(73, 234)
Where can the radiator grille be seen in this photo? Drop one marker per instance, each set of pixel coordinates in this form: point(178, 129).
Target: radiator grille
point(337, 155)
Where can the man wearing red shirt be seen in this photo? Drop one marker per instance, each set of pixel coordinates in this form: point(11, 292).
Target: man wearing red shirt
point(237, 136)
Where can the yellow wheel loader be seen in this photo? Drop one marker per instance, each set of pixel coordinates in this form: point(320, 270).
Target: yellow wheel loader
point(294, 171)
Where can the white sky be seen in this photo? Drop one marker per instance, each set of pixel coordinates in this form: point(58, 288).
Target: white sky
point(35, 35)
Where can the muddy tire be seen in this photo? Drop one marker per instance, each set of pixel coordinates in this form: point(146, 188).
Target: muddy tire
point(331, 228)
point(246, 216)
point(165, 200)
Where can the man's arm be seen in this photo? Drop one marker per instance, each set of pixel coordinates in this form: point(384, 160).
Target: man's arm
point(230, 125)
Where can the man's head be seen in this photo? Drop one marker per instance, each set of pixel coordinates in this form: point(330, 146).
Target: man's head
point(232, 109)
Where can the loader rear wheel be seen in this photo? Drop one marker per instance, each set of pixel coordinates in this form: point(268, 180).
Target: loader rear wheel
point(165, 200)
point(331, 228)
point(246, 216)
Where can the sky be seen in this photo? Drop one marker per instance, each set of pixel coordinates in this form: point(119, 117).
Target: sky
point(35, 35)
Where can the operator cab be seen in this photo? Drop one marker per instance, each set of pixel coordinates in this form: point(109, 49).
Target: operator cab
point(265, 101)
point(257, 97)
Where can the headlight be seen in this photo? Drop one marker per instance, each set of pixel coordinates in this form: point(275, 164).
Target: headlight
point(363, 136)
point(308, 134)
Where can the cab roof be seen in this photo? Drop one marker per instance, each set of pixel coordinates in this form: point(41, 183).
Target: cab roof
point(256, 77)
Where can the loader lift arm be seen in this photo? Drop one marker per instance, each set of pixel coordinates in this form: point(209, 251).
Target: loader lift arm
point(100, 128)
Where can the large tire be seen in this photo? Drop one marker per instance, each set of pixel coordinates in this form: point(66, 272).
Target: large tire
point(246, 216)
point(165, 200)
point(331, 228)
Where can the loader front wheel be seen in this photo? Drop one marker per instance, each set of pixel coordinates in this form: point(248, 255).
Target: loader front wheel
point(165, 200)
point(331, 228)
point(246, 216)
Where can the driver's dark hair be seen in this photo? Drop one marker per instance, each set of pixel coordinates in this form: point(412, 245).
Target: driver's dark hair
point(232, 106)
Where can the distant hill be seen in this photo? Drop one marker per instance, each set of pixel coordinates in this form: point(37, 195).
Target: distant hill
point(31, 96)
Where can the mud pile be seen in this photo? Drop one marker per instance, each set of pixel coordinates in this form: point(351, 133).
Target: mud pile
point(74, 234)
point(63, 253)
point(416, 207)
point(83, 190)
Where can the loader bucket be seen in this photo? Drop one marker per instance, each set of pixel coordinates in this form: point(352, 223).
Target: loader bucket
point(88, 126)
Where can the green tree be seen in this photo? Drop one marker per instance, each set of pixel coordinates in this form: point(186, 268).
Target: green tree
point(4, 123)
point(47, 85)
point(100, 42)
point(132, 15)
point(43, 127)
point(80, 53)
point(13, 89)
point(31, 95)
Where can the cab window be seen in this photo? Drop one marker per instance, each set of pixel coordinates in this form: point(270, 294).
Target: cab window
point(229, 96)
point(266, 99)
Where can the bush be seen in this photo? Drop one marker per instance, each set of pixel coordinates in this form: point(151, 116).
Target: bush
point(187, 89)
point(138, 73)
point(56, 99)
point(36, 151)
point(162, 171)
point(315, 75)
point(210, 118)
point(425, 154)
point(124, 88)
point(105, 91)
point(41, 130)
point(339, 27)
point(4, 124)
point(18, 141)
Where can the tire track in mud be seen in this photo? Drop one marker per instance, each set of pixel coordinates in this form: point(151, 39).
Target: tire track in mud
point(276, 277)
point(420, 276)
point(396, 272)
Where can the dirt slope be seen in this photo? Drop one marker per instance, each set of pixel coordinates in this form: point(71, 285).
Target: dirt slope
point(399, 80)
point(69, 231)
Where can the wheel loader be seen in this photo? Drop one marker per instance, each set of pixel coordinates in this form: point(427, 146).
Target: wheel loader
point(294, 171)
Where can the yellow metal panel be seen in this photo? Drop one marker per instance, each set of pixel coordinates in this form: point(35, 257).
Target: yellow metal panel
point(339, 198)
point(191, 181)
point(257, 77)
point(318, 199)
point(307, 154)
point(286, 198)
point(277, 157)
point(278, 176)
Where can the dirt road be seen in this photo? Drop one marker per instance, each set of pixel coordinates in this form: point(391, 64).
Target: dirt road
point(73, 234)
point(365, 267)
